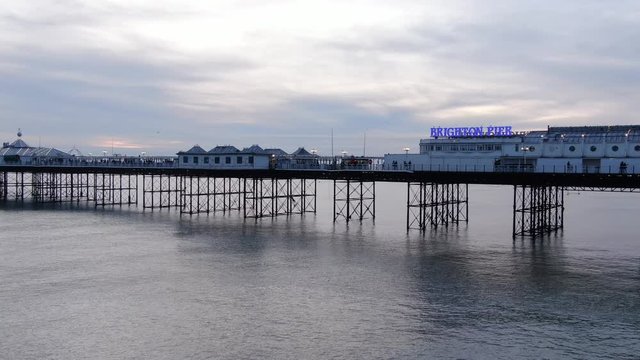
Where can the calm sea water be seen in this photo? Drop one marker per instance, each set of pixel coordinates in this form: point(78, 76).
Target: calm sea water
point(119, 283)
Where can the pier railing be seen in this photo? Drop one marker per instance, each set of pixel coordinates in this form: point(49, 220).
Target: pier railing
point(328, 164)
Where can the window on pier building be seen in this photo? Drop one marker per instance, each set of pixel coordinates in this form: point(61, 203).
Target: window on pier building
point(185, 159)
point(239, 160)
point(216, 159)
point(206, 159)
point(227, 160)
point(250, 159)
point(195, 159)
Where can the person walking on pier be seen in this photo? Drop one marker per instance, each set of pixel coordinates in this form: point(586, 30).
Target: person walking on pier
point(623, 167)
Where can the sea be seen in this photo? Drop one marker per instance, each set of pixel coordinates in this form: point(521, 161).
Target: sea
point(80, 282)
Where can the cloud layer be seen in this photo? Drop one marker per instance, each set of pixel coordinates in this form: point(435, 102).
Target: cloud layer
point(160, 76)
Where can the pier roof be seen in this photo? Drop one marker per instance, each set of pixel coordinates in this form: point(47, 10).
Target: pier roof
point(301, 152)
point(196, 149)
point(19, 148)
point(276, 152)
point(19, 143)
point(224, 149)
point(253, 149)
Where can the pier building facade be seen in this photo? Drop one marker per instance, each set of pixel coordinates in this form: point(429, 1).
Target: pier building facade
point(252, 157)
point(574, 149)
point(224, 157)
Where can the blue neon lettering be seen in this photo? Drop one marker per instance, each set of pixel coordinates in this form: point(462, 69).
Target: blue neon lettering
point(472, 131)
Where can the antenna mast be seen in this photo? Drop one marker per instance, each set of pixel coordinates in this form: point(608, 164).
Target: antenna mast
point(364, 144)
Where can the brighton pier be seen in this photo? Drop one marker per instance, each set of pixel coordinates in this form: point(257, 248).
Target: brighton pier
point(259, 184)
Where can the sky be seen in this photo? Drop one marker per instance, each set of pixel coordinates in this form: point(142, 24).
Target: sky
point(133, 76)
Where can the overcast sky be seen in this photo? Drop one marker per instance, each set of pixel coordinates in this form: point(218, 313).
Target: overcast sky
point(159, 76)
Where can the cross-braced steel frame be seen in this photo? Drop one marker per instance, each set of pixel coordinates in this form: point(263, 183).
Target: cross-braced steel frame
point(45, 186)
point(433, 205)
point(59, 187)
point(354, 199)
point(537, 210)
point(603, 189)
point(3, 185)
point(82, 186)
point(272, 197)
point(115, 189)
point(203, 194)
point(17, 185)
point(161, 191)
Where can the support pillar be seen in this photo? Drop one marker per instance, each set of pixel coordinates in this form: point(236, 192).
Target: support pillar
point(80, 187)
point(433, 205)
point(196, 194)
point(17, 186)
point(354, 199)
point(537, 210)
point(161, 191)
point(273, 197)
point(3, 185)
point(115, 189)
point(54, 187)
point(205, 194)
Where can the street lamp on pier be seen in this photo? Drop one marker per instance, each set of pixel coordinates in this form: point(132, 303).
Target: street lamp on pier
point(524, 150)
point(406, 157)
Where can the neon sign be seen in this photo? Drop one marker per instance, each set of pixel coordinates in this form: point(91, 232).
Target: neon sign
point(471, 131)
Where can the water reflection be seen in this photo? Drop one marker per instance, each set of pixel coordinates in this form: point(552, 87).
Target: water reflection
point(302, 286)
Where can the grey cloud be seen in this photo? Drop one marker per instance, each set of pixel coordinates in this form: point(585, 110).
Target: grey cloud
point(575, 60)
point(563, 55)
point(55, 95)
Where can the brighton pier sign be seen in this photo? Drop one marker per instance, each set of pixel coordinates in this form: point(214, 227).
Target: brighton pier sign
point(471, 131)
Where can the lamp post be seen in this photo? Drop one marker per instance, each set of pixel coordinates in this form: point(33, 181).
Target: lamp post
point(314, 161)
point(524, 153)
point(406, 156)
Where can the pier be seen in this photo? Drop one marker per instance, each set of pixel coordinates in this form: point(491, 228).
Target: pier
point(434, 199)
